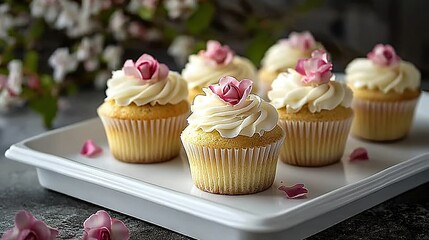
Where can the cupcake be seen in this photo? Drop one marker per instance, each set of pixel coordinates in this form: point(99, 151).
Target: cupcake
point(314, 111)
point(386, 91)
point(232, 140)
point(284, 55)
point(208, 66)
point(145, 111)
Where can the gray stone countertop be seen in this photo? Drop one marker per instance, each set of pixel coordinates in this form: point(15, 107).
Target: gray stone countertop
point(403, 217)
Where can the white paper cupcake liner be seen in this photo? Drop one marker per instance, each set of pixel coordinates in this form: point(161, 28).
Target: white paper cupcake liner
point(382, 121)
point(235, 170)
point(314, 143)
point(144, 141)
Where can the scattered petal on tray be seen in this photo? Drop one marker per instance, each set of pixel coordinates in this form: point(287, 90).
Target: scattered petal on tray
point(296, 191)
point(359, 154)
point(90, 149)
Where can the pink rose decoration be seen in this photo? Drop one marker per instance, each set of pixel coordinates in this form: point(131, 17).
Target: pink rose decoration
point(232, 91)
point(90, 149)
point(303, 41)
point(384, 55)
point(359, 154)
point(316, 70)
point(100, 226)
point(146, 68)
point(296, 191)
point(217, 54)
point(27, 227)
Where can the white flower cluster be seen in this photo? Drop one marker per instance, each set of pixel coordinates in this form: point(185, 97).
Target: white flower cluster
point(6, 22)
point(11, 86)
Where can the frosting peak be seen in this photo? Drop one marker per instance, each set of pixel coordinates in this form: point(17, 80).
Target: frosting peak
point(200, 74)
point(125, 90)
point(296, 46)
point(251, 115)
point(289, 91)
point(383, 70)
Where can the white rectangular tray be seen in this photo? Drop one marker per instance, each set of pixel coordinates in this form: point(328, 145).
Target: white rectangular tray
point(164, 195)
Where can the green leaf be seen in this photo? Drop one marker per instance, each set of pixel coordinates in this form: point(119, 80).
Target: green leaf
point(47, 107)
point(36, 29)
point(309, 5)
point(46, 81)
point(146, 13)
point(200, 45)
point(169, 33)
point(71, 89)
point(258, 46)
point(31, 61)
point(201, 18)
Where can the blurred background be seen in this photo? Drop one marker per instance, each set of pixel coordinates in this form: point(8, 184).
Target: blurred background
point(55, 48)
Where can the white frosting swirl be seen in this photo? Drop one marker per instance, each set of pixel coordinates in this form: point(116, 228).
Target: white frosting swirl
point(252, 116)
point(125, 90)
point(198, 73)
point(362, 72)
point(282, 56)
point(289, 91)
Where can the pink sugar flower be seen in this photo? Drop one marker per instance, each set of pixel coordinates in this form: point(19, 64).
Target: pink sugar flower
point(316, 70)
point(232, 91)
point(100, 226)
point(27, 227)
point(303, 41)
point(90, 149)
point(217, 54)
point(384, 55)
point(146, 68)
point(296, 191)
point(359, 154)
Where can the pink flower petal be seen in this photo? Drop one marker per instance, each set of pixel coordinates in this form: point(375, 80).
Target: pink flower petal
point(98, 220)
point(217, 54)
point(359, 154)
point(119, 230)
point(296, 191)
point(130, 69)
point(24, 219)
point(163, 71)
point(303, 41)
point(315, 70)
point(41, 230)
point(9, 234)
point(232, 91)
point(384, 55)
point(90, 149)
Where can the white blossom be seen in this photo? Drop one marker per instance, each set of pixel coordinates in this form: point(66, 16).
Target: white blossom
point(88, 51)
point(92, 7)
point(48, 9)
point(117, 24)
point(101, 80)
point(90, 46)
point(112, 55)
point(180, 8)
point(83, 26)
point(15, 77)
point(135, 5)
point(9, 101)
point(6, 22)
point(62, 62)
point(181, 48)
point(69, 15)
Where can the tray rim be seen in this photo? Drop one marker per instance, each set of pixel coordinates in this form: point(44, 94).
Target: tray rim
point(206, 209)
